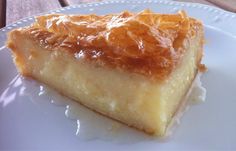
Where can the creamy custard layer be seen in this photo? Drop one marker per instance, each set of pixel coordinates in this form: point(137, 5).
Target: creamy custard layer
point(128, 97)
point(133, 67)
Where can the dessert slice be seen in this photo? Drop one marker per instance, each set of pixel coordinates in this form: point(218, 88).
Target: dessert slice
point(133, 67)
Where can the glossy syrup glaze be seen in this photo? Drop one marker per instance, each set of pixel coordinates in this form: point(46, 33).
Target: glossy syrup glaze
point(145, 43)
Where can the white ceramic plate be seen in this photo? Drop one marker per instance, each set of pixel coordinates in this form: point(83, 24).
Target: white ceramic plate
point(28, 121)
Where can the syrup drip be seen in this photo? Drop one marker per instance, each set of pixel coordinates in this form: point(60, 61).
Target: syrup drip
point(91, 125)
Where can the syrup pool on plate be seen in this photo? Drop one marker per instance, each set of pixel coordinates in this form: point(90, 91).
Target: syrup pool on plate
point(91, 125)
point(3, 47)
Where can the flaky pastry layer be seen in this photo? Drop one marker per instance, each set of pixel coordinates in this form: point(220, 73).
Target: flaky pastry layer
point(145, 43)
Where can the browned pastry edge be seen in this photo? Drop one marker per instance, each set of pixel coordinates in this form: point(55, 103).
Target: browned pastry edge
point(163, 49)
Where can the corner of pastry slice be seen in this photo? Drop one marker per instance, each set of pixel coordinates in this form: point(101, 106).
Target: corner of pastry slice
point(132, 67)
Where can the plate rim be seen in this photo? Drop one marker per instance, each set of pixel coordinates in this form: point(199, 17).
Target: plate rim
point(28, 20)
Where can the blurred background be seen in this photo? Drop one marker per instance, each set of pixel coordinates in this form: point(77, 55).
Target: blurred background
point(13, 10)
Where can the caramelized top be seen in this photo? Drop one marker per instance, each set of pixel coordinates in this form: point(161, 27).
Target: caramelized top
point(145, 43)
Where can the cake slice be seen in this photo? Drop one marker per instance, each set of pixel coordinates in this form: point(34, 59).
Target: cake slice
point(133, 67)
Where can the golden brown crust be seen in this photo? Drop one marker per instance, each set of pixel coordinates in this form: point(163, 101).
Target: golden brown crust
point(145, 43)
point(202, 68)
point(18, 56)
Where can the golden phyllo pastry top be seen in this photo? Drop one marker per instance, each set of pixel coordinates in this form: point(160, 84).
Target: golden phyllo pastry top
point(145, 43)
